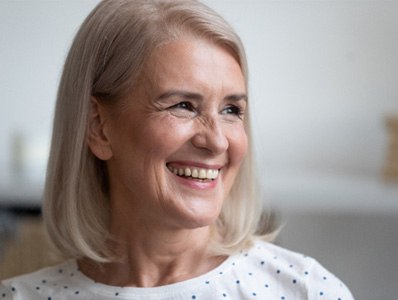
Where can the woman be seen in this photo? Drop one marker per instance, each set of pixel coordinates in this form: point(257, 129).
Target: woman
point(149, 185)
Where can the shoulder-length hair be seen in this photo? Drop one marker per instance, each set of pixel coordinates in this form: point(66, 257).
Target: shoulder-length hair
point(105, 59)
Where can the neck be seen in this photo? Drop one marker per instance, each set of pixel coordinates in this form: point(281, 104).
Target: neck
point(154, 256)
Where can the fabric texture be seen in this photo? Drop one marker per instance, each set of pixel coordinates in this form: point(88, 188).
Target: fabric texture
point(265, 271)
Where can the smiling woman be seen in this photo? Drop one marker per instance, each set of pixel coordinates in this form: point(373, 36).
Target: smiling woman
point(149, 187)
point(197, 130)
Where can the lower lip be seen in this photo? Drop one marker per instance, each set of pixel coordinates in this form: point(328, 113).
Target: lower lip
point(196, 184)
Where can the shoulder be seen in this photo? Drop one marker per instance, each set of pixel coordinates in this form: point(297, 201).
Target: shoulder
point(39, 284)
point(294, 271)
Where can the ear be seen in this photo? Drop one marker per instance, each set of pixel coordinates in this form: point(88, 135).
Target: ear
point(97, 138)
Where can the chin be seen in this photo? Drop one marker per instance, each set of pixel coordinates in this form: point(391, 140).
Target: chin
point(197, 219)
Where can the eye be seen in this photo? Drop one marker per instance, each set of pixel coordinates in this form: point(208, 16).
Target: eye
point(183, 109)
point(234, 111)
point(184, 105)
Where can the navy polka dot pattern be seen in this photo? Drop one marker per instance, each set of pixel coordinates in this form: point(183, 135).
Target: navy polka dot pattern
point(265, 271)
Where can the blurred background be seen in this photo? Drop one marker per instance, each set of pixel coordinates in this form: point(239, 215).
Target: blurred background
point(324, 96)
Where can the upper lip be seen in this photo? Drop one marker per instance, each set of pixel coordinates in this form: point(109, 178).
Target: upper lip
point(201, 165)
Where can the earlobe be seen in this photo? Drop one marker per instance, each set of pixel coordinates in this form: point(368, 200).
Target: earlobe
point(97, 138)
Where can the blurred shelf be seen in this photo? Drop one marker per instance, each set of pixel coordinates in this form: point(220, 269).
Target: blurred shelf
point(304, 192)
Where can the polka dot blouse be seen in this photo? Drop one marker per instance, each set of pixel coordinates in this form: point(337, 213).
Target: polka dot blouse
point(265, 272)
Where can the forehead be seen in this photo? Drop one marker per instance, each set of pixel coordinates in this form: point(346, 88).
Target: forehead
point(194, 62)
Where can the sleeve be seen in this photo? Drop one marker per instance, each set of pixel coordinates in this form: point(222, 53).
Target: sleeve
point(5, 292)
point(323, 285)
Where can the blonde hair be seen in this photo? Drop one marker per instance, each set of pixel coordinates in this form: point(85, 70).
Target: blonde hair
point(106, 58)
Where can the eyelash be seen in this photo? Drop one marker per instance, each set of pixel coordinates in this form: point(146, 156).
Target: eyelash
point(184, 105)
point(235, 110)
point(229, 110)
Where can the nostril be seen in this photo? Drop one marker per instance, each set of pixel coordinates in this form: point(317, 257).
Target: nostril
point(211, 140)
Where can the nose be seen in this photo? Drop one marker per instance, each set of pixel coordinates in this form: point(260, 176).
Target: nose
point(210, 136)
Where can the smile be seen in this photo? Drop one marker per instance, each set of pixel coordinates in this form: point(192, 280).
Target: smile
point(198, 173)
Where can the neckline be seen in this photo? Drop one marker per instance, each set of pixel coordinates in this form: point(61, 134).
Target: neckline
point(87, 283)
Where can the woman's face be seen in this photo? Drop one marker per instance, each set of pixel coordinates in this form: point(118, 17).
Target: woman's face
point(179, 140)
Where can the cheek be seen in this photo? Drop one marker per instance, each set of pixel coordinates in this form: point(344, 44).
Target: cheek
point(165, 135)
point(238, 145)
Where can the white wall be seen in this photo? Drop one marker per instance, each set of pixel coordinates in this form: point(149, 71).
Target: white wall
point(34, 37)
point(323, 75)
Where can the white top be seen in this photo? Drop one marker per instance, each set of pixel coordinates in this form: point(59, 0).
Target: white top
point(265, 271)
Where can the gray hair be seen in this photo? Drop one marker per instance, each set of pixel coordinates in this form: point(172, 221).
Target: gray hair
point(105, 60)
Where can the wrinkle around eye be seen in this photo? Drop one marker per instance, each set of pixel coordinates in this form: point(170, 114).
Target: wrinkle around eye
point(182, 113)
point(183, 110)
point(233, 113)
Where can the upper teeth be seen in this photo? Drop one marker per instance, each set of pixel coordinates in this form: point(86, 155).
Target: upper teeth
point(196, 173)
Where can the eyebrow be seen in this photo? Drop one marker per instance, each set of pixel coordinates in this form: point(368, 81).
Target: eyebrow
point(236, 97)
point(199, 97)
point(180, 93)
